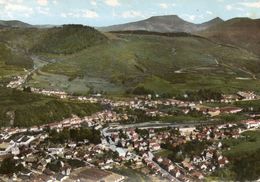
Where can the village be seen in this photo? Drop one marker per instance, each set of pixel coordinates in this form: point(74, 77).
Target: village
point(124, 134)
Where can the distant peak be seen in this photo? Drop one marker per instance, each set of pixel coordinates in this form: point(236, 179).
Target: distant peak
point(218, 18)
point(165, 16)
point(213, 21)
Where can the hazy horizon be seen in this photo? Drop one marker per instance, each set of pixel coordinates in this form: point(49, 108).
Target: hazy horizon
point(109, 12)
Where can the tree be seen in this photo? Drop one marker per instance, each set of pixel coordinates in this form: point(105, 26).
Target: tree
point(7, 166)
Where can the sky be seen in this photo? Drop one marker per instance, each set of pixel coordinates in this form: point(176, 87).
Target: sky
point(109, 12)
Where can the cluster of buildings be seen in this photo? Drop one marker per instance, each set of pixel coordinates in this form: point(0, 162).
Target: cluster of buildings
point(60, 94)
point(138, 148)
point(40, 160)
point(142, 145)
point(16, 82)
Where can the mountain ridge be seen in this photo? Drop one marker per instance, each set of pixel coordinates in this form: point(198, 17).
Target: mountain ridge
point(242, 32)
point(166, 23)
point(14, 24)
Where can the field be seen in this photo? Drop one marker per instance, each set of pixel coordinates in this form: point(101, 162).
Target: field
point(164, 153)
point(78, 85)
point(131, 174)
point(248, 144)
point(244, 158)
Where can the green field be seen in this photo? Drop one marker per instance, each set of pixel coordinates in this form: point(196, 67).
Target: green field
point(244, 158)
point(248, 144)
point(131, 174)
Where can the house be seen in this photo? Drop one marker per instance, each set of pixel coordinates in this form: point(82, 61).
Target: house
point(121, 152)
point(203, 167)
point(5, 148)
point(168, 164)
point(198, 175)
point(57, 151)
point(187, 165)
point(159, 159)
point(231, 110)
point(155, 147)
point(246, 95)
point(222, 162)
point(66, 169)
point(251, 123)
point(214, 112)
point(15, 150)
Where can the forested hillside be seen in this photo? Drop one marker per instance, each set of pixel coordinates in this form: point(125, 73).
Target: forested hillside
point(68, 39)
point(25, 109)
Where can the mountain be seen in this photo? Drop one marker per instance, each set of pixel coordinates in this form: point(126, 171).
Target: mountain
point(68, 39)
point(170, 23)
point(210, 23)
point(88, 61)
point(15, 24)
point(161, 63)
point(241, 32)
point(46, 26)
point(64, 39)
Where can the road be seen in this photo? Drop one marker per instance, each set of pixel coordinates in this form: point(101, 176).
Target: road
point(159, 124)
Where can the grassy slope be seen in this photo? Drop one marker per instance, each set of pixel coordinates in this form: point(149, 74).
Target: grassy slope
point(149, 60)
point(16, 44)
point(31, 109)
point(127, 61)
point(243, 32)
point(12, 63)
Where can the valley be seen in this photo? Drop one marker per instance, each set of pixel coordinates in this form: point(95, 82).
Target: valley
point(161, 99)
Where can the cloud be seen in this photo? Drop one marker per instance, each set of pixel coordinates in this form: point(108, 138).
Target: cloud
point(251, 15)
point(42, 10)
point(14, 8)
point(190, 17)
point(89, 14)
point(163, 5)
point(251, 4)
point(112, 3)
point(209, 12)
point(231, 7)
point(42, 2)
point(131, 14)
point(80, 14)
point(93, 2)
point(166, 5)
